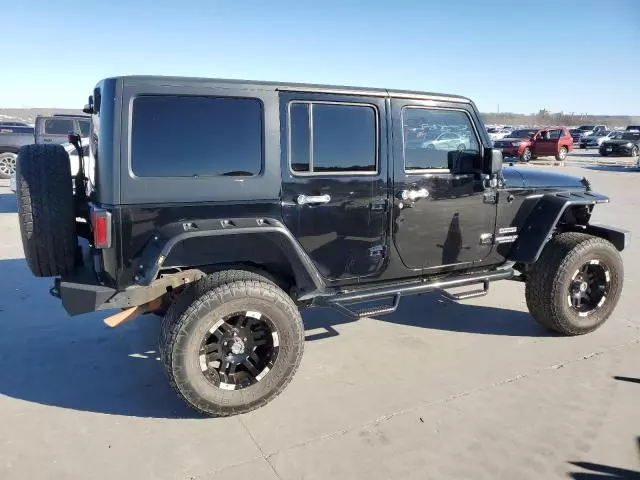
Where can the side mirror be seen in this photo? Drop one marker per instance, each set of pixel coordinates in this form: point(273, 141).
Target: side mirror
point(88, 108)
point(492, 161)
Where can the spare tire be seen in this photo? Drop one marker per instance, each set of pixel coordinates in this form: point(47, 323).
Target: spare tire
point(46, 209)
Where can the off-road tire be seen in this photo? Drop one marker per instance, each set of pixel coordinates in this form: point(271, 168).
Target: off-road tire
point(197, 308)
point(46, 209)
point(7, 160)
point(549, 279)
point(526, 155)
point(560, 157)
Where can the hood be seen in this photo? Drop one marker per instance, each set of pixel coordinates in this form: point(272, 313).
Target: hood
point(512, 139)
point(530, 178)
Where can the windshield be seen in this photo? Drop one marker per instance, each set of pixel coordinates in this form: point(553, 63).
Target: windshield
point(586, 127)
point(523, 133)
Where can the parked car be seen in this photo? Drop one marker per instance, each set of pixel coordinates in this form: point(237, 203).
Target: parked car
point(595, 139)
point(634, 128)
point(447, 141)
point(528, 144)
point(498, 133)
point(578, 133)
point(12, 137)
point(56, 128)
point(623, 144)
point(227, 211)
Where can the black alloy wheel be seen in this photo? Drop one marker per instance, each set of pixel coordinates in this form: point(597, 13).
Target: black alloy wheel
point(239, 350)
point(589, 287)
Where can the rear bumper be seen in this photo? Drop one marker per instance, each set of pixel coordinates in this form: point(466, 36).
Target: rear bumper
point(81, 292)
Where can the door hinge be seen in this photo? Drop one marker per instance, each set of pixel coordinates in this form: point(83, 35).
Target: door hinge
point(377, 251)
point(490, 197)
point(379, 205)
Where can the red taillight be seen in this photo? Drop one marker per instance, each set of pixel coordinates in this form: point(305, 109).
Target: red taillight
point(101, 227)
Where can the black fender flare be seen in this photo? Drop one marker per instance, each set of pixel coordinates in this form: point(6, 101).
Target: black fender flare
point(544, 217)
point(164, 242)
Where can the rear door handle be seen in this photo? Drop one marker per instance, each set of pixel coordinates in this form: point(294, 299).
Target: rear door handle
point(313, 199)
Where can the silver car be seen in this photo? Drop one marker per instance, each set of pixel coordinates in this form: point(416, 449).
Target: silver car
point(447, 141)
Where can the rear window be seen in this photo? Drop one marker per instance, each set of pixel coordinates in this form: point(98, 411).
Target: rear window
point(58, 126)
point(183, 136)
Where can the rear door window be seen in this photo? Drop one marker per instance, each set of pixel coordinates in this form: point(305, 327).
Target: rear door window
point(186, 136)
point(554, 134)
point(332, 138)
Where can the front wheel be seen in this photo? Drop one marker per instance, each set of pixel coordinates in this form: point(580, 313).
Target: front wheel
point(526, 155)
point(562, 154)
point(576, 283)
point(233, 348)
point(7, 164)
point(603, 152)
point(634, 151)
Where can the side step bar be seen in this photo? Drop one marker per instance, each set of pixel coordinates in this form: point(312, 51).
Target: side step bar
point(342, 301)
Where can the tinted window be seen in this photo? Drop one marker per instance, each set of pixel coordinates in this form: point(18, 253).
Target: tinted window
point(332, 138)
point(300, 138)
point(422, 151)
point(554, 134)
point(58, 126)
point(85, 127)
point(179, 136)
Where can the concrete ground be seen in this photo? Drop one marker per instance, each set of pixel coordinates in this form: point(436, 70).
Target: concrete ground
point(437, 390)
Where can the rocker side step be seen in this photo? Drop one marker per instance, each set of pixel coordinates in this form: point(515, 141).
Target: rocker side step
point(468, 294)
point(342, 301)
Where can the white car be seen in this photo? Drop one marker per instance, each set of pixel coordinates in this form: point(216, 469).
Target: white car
point(447, 141)
point(74, 159)
point(498, 133)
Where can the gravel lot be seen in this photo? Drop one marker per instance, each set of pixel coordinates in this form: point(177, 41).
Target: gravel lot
point(436, 390)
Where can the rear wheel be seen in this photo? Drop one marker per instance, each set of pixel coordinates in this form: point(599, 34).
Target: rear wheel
point(46, 211)
point(603, 152)
point(234, 348)
point(562, 154)
point(7, 164)
point(575, 284)
point(634, 151)
point(526, 155)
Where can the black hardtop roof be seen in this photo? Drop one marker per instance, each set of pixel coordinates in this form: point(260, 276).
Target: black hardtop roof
point(335, 89)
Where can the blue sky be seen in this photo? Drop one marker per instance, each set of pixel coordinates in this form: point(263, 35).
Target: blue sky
point(575, 56)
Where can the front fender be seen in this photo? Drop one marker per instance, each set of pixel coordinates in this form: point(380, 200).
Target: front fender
point(543, 219)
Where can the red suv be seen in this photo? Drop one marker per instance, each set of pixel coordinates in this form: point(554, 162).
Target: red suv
point(531, 143)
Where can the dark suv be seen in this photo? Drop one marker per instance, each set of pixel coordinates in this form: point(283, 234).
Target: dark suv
point(225, 206)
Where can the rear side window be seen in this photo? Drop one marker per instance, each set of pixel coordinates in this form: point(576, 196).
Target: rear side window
point(183, 136)
point(326, 138)
point(58, 126)
point(554, 134)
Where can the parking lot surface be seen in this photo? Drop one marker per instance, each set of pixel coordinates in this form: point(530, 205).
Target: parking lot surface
point(436, 390)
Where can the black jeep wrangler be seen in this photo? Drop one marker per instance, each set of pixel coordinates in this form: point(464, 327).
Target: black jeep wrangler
point(225, 206)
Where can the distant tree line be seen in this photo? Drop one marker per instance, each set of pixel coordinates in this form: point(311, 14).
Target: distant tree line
point(545, 117)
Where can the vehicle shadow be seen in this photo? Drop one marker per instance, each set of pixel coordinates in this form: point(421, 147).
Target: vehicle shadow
point(605, 472)
point(432, 311)
point(613, 168)
point(8, 203)
point(78, 363)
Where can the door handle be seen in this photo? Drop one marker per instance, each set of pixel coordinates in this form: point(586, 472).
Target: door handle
point(313, 199)
point(414, 195)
